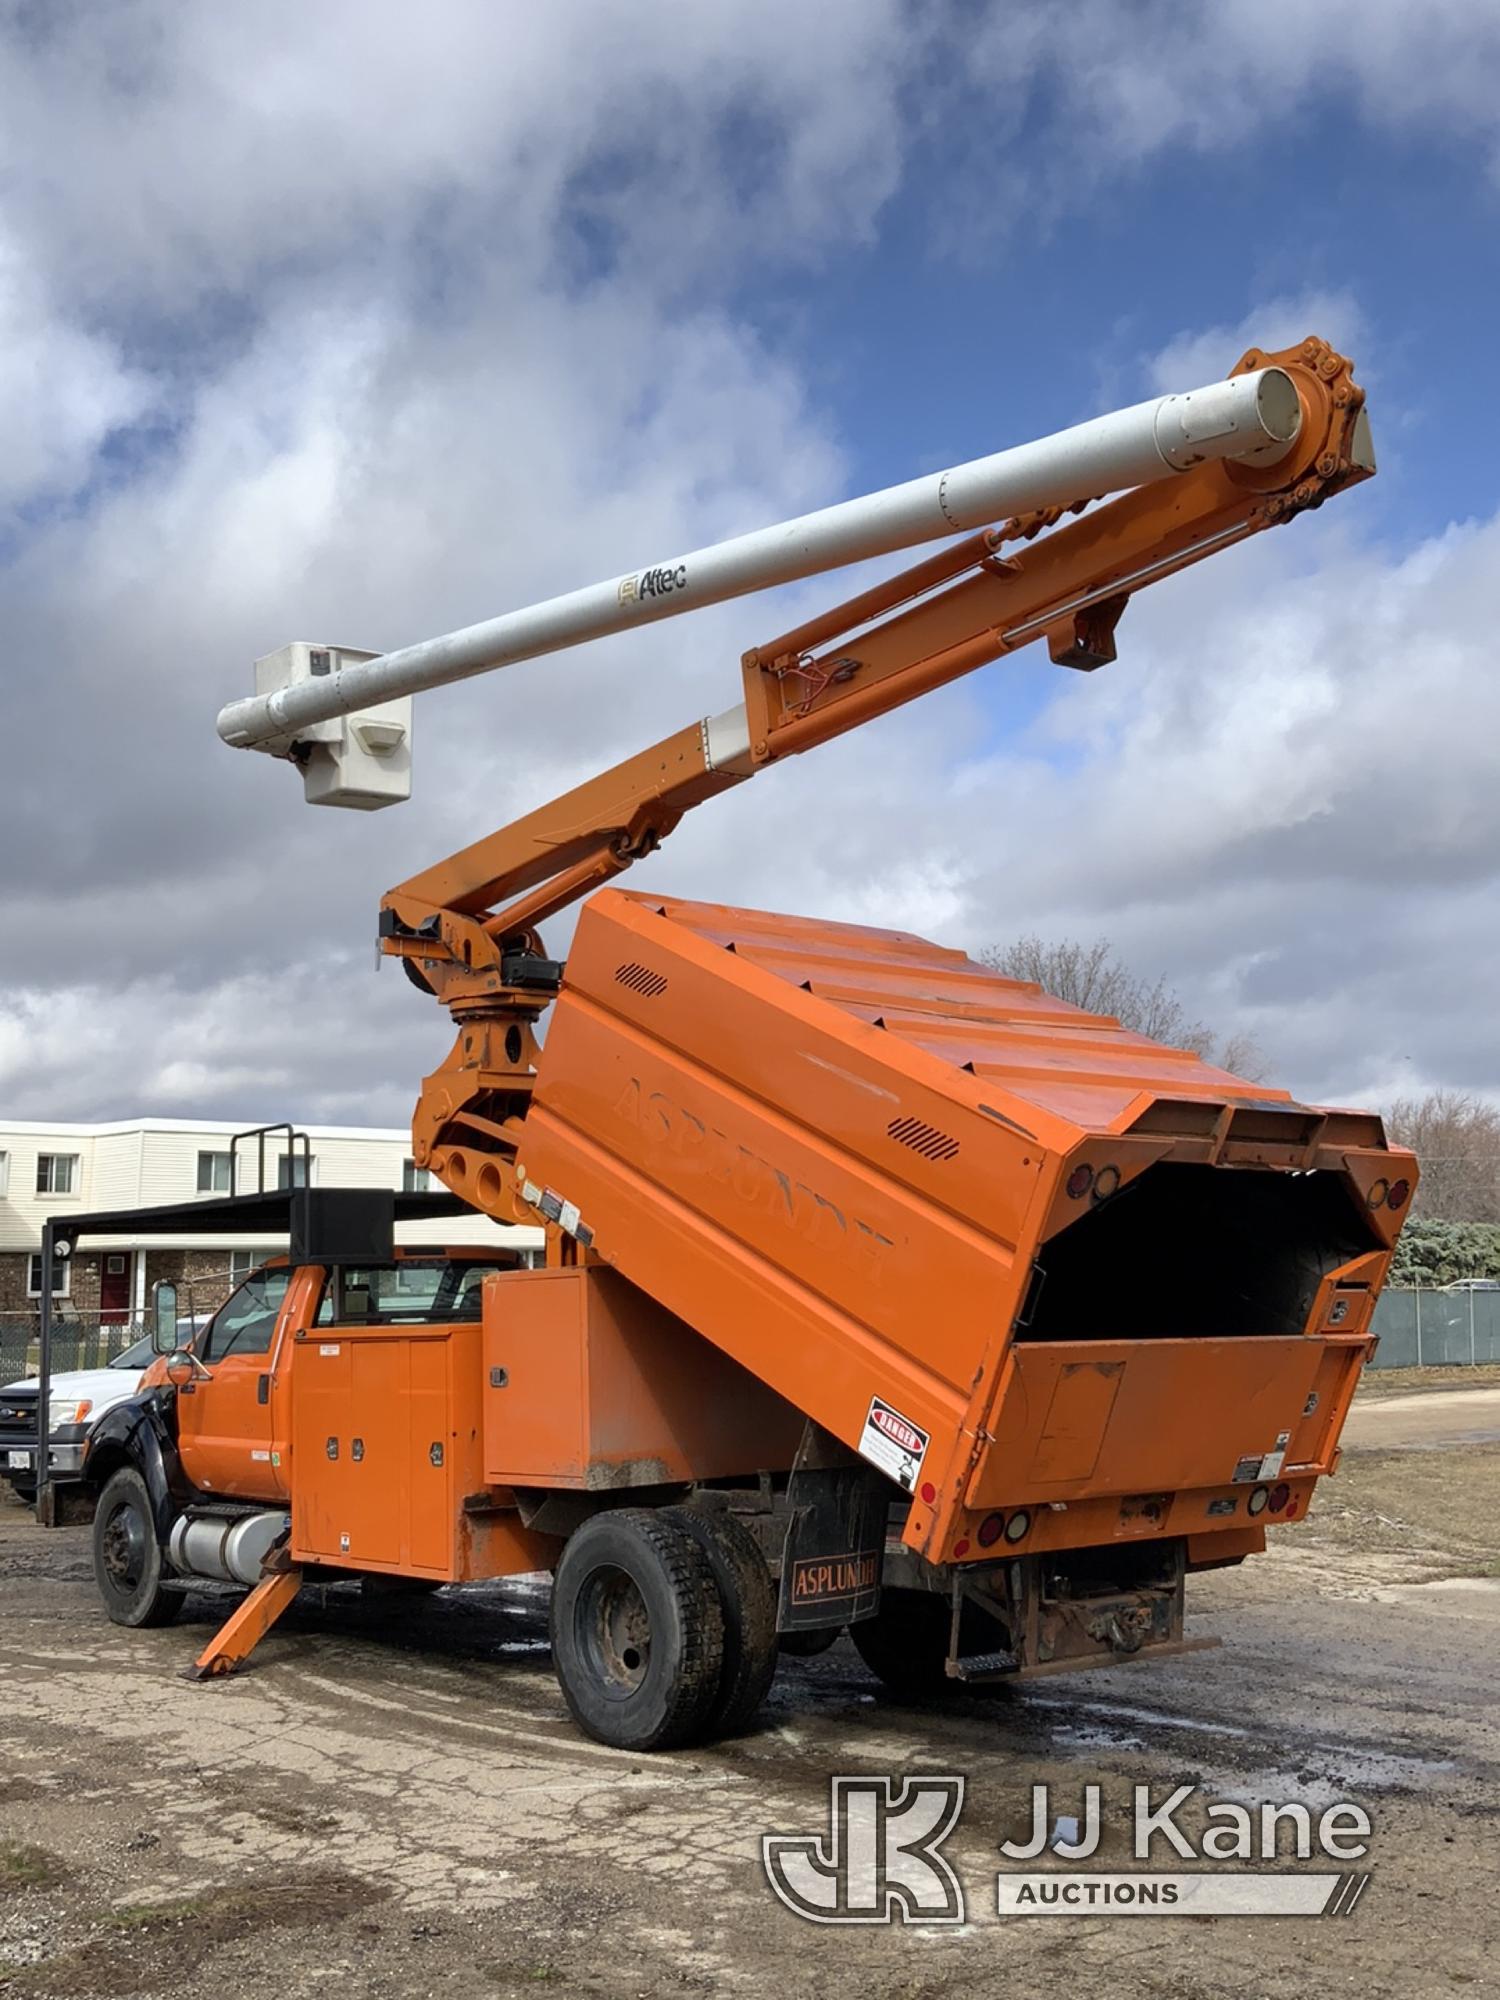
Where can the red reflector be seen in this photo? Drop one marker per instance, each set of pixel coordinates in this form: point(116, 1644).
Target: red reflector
point(1397, 1196)
point(991, 1528)
point(1079, 1182)
point(961, 1548)
point(1279, 1497)
point(929, 1491)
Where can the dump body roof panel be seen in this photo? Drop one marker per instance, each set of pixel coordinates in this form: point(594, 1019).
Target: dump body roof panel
point(1079, 1066)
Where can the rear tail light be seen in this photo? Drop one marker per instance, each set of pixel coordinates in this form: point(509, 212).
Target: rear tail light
point(1279, 1497)
point(991, 1528)
point(1079, 1182)
point(1398, 1194)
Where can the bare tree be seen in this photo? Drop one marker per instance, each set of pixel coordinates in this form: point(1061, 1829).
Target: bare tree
point(1456, 1138)
point(1093, 977)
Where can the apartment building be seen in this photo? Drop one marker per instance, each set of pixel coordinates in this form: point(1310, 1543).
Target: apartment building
point(54, 1169)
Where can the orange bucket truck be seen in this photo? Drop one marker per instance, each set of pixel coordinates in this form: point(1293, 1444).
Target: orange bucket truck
point(880, 1292)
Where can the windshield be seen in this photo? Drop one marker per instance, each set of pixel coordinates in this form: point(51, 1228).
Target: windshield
point(139, 1354)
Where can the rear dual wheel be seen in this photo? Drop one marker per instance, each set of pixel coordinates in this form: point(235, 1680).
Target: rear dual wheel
point(663, 1627)
point(747, 1598)
point(905, 1644)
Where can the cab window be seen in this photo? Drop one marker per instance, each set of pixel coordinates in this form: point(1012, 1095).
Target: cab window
point(245, 1323)
point(413, 1292)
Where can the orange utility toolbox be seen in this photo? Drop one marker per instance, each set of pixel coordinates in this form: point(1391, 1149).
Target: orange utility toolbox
point(592, 1386)
point(386, 1447)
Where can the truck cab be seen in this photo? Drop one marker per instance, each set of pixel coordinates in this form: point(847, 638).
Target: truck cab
point(232, 1378)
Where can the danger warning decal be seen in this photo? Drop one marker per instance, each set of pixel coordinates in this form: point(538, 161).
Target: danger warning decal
point(894, 1443)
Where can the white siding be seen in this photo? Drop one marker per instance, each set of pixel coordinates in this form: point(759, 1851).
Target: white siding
point(22, 1209)
point(151, 1161)
point(116, 1173)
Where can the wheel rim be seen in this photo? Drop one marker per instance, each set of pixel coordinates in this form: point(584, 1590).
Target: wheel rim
point(612, 1628)
point(123, 1547)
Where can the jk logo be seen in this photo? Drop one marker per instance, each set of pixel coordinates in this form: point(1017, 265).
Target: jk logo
point(880, 1862)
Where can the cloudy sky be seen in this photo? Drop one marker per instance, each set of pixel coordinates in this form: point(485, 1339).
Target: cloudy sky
point(364, 321)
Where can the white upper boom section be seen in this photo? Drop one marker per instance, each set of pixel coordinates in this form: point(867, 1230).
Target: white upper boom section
point(1253, 416)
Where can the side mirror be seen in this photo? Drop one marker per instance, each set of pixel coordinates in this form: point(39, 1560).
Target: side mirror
point(164, 1333)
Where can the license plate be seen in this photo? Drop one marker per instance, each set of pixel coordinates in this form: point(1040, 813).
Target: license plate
point(19, 1461)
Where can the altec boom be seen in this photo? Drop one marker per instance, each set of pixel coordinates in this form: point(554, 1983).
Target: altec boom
point(881, 1291)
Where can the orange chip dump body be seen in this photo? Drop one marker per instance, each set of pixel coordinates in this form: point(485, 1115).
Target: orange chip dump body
point(1027, 1261)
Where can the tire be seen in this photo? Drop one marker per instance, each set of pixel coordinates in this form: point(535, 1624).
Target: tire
point(808, 1645)
point(128, 1564)
point(747, 1599)
point(905, 1644)
point(637, 1632)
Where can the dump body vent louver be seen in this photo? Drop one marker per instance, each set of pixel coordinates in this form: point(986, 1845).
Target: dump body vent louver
point(924, 1139)
point(641, 979)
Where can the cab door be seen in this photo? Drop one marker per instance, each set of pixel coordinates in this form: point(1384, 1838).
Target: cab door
point(225, 1418)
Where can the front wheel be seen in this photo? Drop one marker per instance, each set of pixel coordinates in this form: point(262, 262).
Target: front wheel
point(127, 1555)
point(637, 1631)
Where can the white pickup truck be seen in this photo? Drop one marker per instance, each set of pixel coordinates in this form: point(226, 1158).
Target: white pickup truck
point(75, 1403)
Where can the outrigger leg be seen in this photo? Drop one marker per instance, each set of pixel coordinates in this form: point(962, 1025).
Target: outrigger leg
point(240, 1634)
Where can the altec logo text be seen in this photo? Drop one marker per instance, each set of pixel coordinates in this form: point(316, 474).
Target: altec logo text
point(881, 1861)
point(663, 581)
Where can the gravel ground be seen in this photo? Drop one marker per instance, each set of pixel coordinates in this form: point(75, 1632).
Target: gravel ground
point(395, 1798)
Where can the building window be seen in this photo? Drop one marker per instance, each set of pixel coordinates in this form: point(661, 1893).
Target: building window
point(415, 1179)
point(213, 1173)
point(294, 1170)
point(243, 1262)
point(4, 1173)
point(62, 1276)
point(114, 1264)
point(56, 1173)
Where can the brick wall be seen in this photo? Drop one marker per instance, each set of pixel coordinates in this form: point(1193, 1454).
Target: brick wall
point(207, 1271)
point(80, 1300)
point(202, 1273)
point(13, 1297)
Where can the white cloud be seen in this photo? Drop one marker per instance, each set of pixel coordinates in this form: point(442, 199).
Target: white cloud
point(1141, 78)
point(445, 322)
point(1204, 354)
point(63, 390)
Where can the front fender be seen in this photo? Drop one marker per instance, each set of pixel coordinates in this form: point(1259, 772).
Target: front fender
point(142, 1432)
